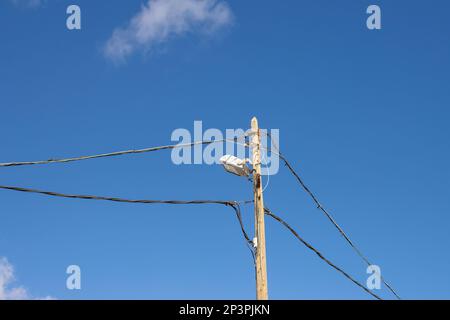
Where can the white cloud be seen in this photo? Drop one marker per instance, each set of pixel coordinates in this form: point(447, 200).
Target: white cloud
point(160, 20)
point(7, 291)
point(6, 278)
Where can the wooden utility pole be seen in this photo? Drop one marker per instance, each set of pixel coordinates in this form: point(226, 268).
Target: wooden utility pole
point(261, 268)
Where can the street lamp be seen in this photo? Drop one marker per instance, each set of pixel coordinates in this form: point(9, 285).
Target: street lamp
point(235, 165)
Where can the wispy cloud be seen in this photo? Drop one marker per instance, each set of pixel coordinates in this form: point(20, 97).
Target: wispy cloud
point(7, 278)
point(159, 20)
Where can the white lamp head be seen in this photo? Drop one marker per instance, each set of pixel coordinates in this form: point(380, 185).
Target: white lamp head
point(235, 165)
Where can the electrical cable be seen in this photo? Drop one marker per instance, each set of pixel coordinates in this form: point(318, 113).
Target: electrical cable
point(119, 153)
point(318, 253)
point(233, 204)
point(327, 214)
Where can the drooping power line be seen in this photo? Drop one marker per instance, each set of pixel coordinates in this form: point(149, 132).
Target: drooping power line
point(233, 204)
point(119, 153)
point(324, 211)
point(318, 253)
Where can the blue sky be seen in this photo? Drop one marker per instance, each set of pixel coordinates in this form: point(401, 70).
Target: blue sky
point(363, 115)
